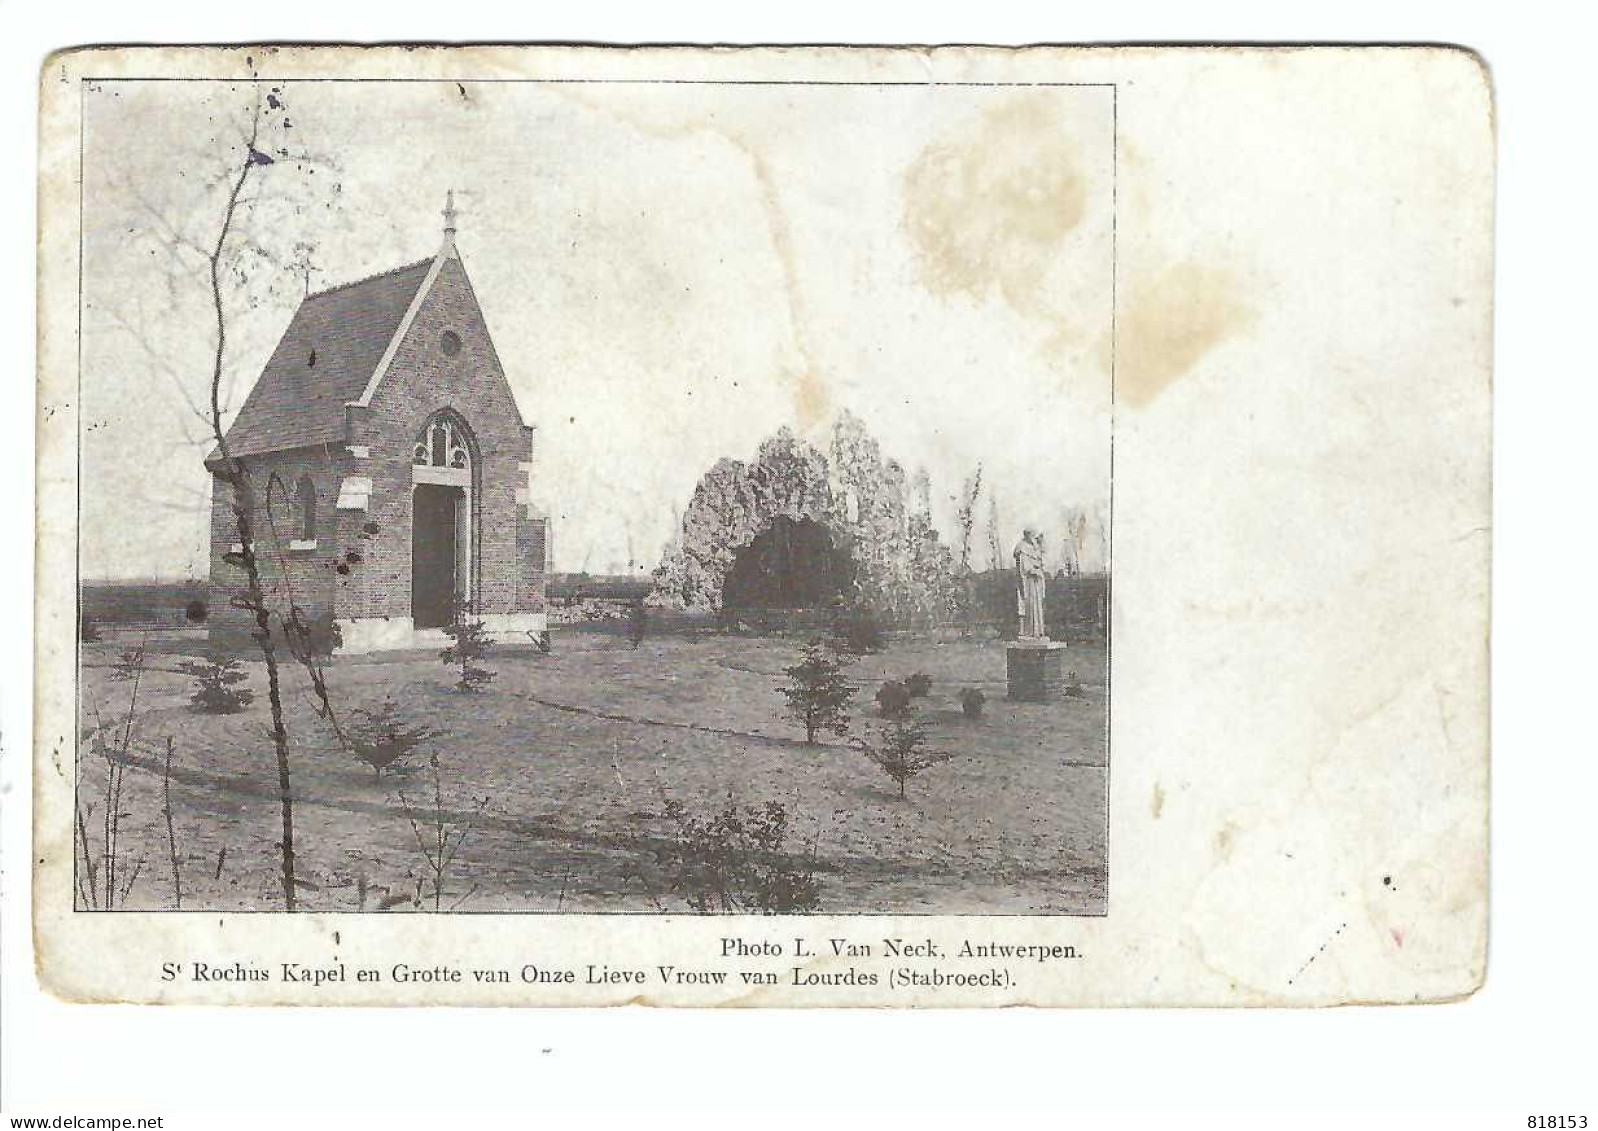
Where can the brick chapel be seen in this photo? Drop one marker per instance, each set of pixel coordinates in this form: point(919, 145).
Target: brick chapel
point(391, 466)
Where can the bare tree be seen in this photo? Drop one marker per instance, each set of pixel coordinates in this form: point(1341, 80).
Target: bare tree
point(1101, 534)
point(167, 219)
point(223, 233)
point(921, 492)
point(171, 830)
point(995, 546)
point(970, 493)
point(231, 257)
point(1073, 538)
point(966, 520)
point(106, 877)
point(439, 833)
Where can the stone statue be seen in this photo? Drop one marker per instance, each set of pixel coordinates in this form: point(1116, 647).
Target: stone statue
point(1030, 581)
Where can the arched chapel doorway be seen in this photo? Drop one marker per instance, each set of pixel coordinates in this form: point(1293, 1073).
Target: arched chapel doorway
point(442, 467)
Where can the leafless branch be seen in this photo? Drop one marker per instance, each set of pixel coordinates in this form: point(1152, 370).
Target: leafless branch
point(171, 831)
point(234, 472)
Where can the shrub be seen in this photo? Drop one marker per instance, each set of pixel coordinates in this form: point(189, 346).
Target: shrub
point(89, 631)
point(196, 610)
point(818, 694)
point(216, 687)
point(1073, 685)
point(382, 738)
point(637, 624)
point(858, 631)
point(469, 643)
point(972, 701)
point(893, 700)
point(919, 685)
point(898, 751)
point(734, 862)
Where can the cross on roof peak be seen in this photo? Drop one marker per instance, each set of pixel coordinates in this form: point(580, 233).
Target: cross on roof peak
point(304, 266)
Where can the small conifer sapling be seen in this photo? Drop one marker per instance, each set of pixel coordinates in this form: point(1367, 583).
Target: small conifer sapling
point(818, 692)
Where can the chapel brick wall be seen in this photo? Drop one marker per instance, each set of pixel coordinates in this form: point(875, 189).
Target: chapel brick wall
point(307, 578)
point(532, 551)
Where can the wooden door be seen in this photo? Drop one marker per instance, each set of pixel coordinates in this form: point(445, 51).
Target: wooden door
point(433, 554)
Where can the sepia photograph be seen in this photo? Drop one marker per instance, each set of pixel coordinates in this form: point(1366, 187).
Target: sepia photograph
point(594, 497)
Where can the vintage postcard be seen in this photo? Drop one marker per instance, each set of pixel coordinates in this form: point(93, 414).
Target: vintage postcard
point(799, 527)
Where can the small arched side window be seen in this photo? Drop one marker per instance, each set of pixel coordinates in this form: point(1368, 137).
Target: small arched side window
point(305, 507)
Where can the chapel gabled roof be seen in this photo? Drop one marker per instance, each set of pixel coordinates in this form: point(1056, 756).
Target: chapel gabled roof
point(325, 359)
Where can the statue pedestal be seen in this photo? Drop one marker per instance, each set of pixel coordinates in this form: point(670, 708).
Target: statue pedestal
point(1034, 670)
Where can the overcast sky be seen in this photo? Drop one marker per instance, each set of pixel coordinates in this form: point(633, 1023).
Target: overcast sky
point(669, 272)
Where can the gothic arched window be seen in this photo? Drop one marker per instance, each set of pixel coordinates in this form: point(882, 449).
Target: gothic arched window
point(305, 506)
point(442, 444)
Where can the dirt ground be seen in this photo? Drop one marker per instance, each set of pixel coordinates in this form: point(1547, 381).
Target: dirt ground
point(577, 752)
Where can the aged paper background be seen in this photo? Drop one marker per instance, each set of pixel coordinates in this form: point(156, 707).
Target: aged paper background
point(1299, 786)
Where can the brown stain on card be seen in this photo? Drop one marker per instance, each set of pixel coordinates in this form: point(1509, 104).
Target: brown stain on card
point(1168, 322)
point(812, 400)
point(989, 210)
